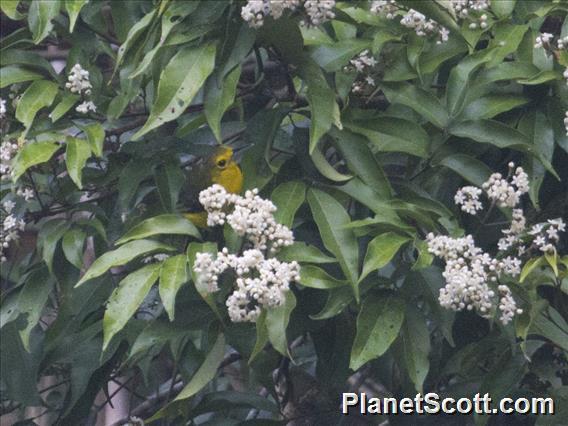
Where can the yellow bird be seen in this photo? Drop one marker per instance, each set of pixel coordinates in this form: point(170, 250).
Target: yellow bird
point(220, 167)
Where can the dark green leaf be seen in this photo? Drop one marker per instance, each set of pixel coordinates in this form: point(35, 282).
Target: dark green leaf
point(163, 224)
point(314, 277)
point(76, 155)
point(125, 300)
point(302, 252)
point(378, 324)
point(219, 96)
point(277, 319)
point(40, 15)
point(288, 197)
point(381, 250)
point(172, 276)
point(72, 245)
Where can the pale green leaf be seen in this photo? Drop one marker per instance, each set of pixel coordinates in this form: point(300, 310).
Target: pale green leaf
point(180, 81)
point(73, 7)
point(67, 102)
point(13, 74)
point(126, 298)
point(314, 277)
point(38, 95)
point(163, 224)
point(172, 276)
point(32, 154)
point(77, 154)
point(381, 250)
point(121, 256)
point(378, 324)
point(40, 15)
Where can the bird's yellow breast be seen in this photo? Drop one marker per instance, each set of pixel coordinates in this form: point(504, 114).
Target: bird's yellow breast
point(231, 178)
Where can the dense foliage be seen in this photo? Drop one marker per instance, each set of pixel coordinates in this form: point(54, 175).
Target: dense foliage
point(364, 119)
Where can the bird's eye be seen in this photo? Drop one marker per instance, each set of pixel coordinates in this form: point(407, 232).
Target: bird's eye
point(222, 163)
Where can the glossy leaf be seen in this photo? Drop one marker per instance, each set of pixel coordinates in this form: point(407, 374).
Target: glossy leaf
point(76, 155)
point(121, 256)
point(468, 167)
point(314, 277)
point(179, 83)
point(219, 96)
point(326, 169)
point(38, 95)
point(206, 372)
point(302, 252)
point(381, 250)
point(172, 276)
point(421, 101)
point(330, 217)
point(73, 7)
point(334, 57)
point(13, 74)
point(163, 224)
point(32, 154)
point(72, 245)
point(492, 105)
point(288, 197)
point(40, 18)
point(67, 102)
point(415, 343)
point(125, 300)
point(277, 319)
point(96, 137)
point(378, 325)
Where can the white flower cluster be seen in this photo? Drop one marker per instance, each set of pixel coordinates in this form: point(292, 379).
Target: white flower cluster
point(2, 108)
point(546, 234)
point(387, 8)
point(364, 64)
point(317, 11)
point(468, 198)
point(78, 82)
point(512, 236)
point(505, 193)
point(468, 272)
point(8, 150)
point(261, 282)
point(411, 19)
point(251, 216)
point(11, 227)
point(543, 40)
point(472, 10)
point(424, 27)
point(562, 43)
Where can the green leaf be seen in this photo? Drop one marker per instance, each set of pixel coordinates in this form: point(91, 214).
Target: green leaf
point(38, 95)
point(96, 137)
point(180, 81)
point(163, 224)
point(172, 276)
point(421, 101)
point(339, 298)
point(133, 35)
point(541, 77)
point(323, 106)
point(491, 132)
point(126, 298)
point(219, 96)
point(459, 80)
point(390, 134)
point(40, 15)
point(48, 238)
point(530, 266)
point(314, 277)
point(470, 168)
point(206, 372)
point(492, 105)
point(73, 7)
point(31, 301)
point(381, 250)
point(380, 39)
point(378, 324)
point(415, 344)
point(13, 74)
point(361, 161)
point(552, 326)
point(302, 252)
point(67, 102)
point(288, 197)
point(503, 9)
point(32, 154)
point(277, 319)
point(424, 259)
point(10, 9)
point(435, 11)
point(330, 217)
point(261, 337)
point(332, 57)
point(77, 154)
point(72, 244)
point(121, 256)
point(325, 168)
